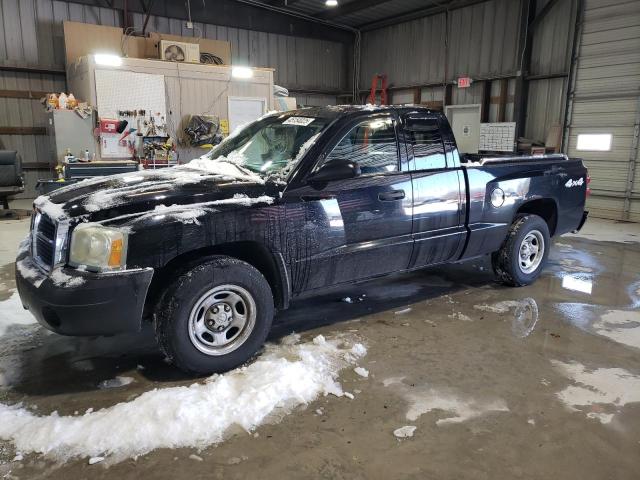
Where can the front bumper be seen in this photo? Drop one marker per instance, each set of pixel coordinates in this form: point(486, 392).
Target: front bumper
point(85, 303)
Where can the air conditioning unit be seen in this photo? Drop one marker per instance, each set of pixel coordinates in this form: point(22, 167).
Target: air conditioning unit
point(173, 51)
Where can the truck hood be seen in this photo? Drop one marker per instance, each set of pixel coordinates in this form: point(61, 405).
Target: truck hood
point(220, 185)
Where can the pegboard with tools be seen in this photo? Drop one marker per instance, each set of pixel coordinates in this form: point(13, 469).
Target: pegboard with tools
point(118, 90)
point(497, 137)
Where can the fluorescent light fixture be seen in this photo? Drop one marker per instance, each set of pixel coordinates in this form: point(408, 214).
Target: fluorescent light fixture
point(241, 72)
point(108, 59)
point(600, 142)
point(331, 3)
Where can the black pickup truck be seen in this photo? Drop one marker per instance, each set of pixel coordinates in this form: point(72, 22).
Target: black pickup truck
point(294, 202)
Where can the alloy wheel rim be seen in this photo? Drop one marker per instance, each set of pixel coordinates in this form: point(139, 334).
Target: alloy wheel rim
point(222, 319)
point(531, 251)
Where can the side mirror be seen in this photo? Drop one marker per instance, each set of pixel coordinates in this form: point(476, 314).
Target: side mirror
point(338, 169)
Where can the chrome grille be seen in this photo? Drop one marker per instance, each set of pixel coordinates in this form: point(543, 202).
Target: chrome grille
point(48, 241)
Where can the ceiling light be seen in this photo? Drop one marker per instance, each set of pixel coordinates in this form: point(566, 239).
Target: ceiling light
point(331, 3)
point(241, 72)
point(108, 59)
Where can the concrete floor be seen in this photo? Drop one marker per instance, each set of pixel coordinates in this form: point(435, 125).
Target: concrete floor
point(545, 379)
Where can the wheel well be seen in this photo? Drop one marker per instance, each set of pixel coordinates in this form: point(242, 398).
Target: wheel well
point(545, 208)
point(253, 253)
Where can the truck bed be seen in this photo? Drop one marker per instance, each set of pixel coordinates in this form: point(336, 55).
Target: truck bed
point(479, 160)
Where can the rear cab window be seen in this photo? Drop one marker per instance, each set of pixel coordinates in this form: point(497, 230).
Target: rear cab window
point(424, 142)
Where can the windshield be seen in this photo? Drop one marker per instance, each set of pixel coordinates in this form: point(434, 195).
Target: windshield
point(272, 146)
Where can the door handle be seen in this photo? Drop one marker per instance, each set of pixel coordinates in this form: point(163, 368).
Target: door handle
point(391, 196)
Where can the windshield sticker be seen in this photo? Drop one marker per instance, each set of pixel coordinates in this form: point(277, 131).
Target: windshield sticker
point(303, 121)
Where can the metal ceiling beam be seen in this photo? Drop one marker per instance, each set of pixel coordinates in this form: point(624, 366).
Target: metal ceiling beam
point(348, 8)
point(246, 14)
point(437, 7)
point(280, 3)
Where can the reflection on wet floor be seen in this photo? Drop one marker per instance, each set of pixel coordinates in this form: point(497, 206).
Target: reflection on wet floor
point(473, 365)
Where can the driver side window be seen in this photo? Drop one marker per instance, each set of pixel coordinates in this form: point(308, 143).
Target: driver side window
point(372, 144)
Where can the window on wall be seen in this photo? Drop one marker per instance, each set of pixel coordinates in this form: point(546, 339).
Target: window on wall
point(598, 142)
point(426, 141)
point(372, 144)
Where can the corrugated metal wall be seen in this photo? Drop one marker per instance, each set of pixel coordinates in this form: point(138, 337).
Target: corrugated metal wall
point(550, 55)
point(606, 99)
point(31, 35)
point(413, 53)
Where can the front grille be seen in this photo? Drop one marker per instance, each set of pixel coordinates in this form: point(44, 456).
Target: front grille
point(44, 241)
point(47, 227)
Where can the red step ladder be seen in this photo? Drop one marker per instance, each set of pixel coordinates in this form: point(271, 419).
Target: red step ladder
point(382, 78)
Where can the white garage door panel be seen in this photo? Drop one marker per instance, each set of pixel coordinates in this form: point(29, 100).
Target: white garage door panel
point(603, 207)
point(635, 211)
point(604, 36)
point(610, 58)
point(606, 119)
point(603, 48)
point(606, 91)
point(610, 22)
point(609, 72)
point(636, 182)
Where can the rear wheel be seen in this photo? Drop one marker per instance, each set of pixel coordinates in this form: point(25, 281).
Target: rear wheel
point(215, 316)
point(524, 252)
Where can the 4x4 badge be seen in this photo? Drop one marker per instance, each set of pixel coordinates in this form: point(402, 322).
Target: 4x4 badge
point(574, 183)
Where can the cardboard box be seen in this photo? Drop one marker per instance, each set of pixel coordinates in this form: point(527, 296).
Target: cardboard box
point(82, 39)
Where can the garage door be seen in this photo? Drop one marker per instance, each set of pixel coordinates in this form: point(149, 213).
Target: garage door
point(605, 111)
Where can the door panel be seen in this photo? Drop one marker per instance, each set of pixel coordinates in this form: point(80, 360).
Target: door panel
point(438, 229)
point(359, 227)
point(355, 232)
point(438, 216)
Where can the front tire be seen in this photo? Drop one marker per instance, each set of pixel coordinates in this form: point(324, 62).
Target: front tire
point(215, 316)
point(524, 252)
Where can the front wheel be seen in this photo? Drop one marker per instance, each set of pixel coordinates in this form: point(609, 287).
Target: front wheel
point(215, 316)
point(524, 252)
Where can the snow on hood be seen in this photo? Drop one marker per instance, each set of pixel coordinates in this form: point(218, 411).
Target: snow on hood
point(191, 173)
point(46, 206)
point(284, 377)
point(189, 213)
point(226, 166)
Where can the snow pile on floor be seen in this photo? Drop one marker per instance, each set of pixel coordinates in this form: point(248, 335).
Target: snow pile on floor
point(12, 313)
point(284, 377)
point(621, 326)
point(426, 399)
point(599, 393)
point(405, 432)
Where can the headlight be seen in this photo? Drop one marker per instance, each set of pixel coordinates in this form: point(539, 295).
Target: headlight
point(98, 247)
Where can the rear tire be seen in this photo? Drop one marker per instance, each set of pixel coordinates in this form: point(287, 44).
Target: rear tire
point(524, 252)
point(215, 316)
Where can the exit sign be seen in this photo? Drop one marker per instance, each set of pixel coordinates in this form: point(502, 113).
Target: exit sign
point(464, 82)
